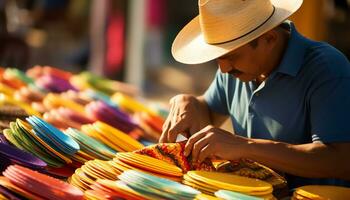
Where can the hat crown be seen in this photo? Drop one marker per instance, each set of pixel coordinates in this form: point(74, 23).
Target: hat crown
point(226, 20)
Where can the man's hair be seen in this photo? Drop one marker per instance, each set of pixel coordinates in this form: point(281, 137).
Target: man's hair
point(254, 43)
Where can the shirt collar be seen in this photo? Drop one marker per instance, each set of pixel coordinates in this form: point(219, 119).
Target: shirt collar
point(294, 56)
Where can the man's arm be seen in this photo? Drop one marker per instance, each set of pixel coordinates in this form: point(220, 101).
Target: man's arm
point(188, 114)
point(313, 160)
point(216, 119)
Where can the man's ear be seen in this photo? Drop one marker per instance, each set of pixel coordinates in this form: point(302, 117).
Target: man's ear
point(270, 37)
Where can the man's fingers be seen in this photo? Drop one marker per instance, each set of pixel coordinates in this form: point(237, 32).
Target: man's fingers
point(163, 138)
point(194, 129)
point(178, 128)
point(198, 146)
point(180, 119)
point(165, 131)
point(167, 125)
point(205, 152)
point(192, 140)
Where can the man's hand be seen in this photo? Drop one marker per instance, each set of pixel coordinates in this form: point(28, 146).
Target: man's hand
point(215, 143)
point(188, 114)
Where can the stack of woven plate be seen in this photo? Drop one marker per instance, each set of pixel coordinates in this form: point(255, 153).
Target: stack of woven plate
point(210, 182)
point(138, 185)
point(21, 181)
point(112, 137)
point(317, 192)
point(133, 161)
point(91, 171)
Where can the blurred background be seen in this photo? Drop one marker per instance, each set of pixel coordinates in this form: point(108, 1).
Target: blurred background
point(130, 40)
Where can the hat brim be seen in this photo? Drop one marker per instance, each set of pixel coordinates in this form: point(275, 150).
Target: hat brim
point(189, 46)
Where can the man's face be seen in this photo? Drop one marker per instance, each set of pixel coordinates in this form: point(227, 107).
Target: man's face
point(245, 63)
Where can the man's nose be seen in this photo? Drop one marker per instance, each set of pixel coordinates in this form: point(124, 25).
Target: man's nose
point(224, 65)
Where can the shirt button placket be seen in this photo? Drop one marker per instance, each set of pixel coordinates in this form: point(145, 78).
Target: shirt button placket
point(251, 108)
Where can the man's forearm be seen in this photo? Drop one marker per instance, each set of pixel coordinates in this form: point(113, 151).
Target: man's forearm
point(314, 160)
point(214, 119)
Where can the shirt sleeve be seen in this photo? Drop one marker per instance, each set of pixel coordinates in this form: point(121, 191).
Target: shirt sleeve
point(215, 96)
point(329, 111)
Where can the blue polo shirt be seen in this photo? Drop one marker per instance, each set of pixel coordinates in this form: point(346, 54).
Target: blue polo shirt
point(305, 99)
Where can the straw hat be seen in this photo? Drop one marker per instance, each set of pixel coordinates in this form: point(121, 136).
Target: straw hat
point(224, 25)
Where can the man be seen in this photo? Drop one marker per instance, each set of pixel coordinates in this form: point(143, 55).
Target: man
point(287, 96)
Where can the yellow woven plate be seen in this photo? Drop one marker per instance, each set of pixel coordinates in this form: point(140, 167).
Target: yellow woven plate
point(94, 171)
point(121, 188)
point(82, 176)
point(84, 155)
point(118, 137)
point(232, 182)
point(200, 188)
point(317, 192)
point(149, 163)
point(7, 99)
point(7, 90)
point(131, 104)
point(90, 130)
point(79, 158)
point(76, 181)
point(206, 197)
point(53, 100)
point(105, 168)
point(121, 166)
point(199, 185)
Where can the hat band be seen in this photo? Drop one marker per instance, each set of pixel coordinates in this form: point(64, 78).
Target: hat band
point(273, 11)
